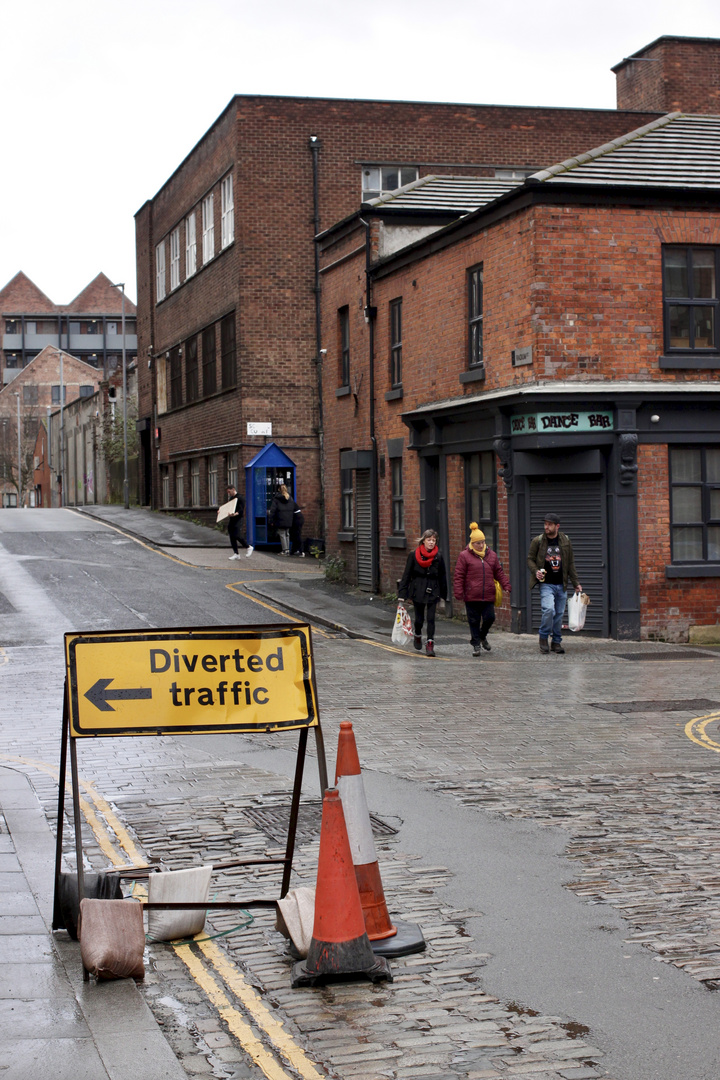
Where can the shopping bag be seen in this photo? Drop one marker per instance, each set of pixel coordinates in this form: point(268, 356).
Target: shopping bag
point(403, 628)
point(577, 607)
point(498, 593)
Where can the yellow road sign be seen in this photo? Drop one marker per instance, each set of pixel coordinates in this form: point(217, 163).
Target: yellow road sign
point(223, 678)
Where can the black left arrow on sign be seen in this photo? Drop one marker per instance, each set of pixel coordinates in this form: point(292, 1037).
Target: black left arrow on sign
point(99, 695)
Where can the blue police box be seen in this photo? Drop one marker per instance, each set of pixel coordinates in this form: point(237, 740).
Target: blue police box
point(264, 474)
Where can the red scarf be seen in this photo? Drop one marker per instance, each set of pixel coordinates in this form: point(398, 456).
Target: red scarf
point(425, 557)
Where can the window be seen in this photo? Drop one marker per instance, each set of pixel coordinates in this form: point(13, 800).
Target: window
point(348, 500)
point(398, 503)
point(179, 486)
point(380, 180)
point(176, 399)
point(481, 493)
point(695, 503)
point(208, 358)
point(192, 390)
point(111, 328)
point(87, 391)
point(55, 395)
point(344, 327)
point(232, 469)
point(227, 351)
point(174, 258)
point(208, 224)
point(12, 326)
point(195, 482)
point(227, 212)
point(30, 394)
point(212, 467)
point(475, 317)
point(160, 272)
point(396, 343)
point(165, 482)
point(190, 246)
point(690, 298)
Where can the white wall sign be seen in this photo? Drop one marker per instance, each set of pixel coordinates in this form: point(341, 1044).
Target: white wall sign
point(259, 429)
point(522, 356)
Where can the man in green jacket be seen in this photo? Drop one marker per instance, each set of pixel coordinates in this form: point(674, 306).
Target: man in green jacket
point(551, 562)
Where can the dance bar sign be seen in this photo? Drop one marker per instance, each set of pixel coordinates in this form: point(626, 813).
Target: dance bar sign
point(234, 679)
point(559, 422)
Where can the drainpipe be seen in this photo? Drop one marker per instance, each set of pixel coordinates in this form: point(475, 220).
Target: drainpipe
point(370, 314)
point(315, 145)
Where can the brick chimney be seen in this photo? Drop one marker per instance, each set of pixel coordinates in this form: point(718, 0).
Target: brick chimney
point(671, 74)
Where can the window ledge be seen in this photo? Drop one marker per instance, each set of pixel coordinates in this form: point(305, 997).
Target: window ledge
point(342, 391)
point(689, 360)
point(346, 537)
point(473, 375)
point(396, 541)
point(691, 570)
point(394, 395)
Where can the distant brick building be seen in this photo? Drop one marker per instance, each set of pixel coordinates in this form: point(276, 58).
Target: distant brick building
point(90, 327)
point(33, 394)
point(227, 284)
point(555, 349)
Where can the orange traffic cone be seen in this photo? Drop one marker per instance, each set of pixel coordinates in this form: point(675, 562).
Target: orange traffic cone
point(339, 946)
point(387, 939)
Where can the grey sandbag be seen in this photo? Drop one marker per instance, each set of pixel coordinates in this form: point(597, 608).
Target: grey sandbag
point(112, 938)
point(96, 887)
point(173, 886)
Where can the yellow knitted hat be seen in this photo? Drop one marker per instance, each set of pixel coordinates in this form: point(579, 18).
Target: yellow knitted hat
point(476, 533)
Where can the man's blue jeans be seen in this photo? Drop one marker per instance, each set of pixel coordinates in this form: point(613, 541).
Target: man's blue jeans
point(553, 599)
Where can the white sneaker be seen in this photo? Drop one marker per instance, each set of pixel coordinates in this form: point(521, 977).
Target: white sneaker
point(233, 556)
point(249, 552)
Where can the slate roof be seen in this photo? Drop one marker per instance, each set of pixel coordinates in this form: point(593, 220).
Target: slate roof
point(677, 150)
point(461, 194)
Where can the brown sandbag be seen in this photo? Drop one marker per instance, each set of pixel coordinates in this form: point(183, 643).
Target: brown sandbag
point(112, 938)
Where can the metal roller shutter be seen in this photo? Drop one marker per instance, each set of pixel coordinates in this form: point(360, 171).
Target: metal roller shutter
point(363, 528)
point(580, 506)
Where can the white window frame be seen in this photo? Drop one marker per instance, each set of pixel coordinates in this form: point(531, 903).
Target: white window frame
point(160, 272)
point(179, 486)
point(212, 474)
point(227, 216)
point(190, 245)
point(208, 227)
point(195, 482)
point(174, 258)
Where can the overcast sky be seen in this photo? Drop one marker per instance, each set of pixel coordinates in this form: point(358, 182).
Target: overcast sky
point(102, 100)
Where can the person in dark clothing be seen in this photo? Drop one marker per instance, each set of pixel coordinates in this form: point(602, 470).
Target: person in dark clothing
point(281, 513)
point(551, 563)
point(235, 532)
point(476, 571)
point(296, 528)
point(424, 582)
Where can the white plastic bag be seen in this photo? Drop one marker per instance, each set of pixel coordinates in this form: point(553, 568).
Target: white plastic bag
point(403, 628)
point(577, 607)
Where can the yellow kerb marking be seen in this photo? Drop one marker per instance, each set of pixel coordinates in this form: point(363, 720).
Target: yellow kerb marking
point(696, 731)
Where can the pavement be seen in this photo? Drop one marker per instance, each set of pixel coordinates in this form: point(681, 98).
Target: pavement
point(93, 1031)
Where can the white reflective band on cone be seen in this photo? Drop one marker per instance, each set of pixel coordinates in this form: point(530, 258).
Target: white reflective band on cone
point(357, 819)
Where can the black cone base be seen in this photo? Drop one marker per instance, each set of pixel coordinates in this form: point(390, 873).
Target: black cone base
point(409, 939)
point(343, 960)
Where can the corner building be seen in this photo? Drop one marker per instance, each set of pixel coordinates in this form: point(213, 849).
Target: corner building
point(553, 348)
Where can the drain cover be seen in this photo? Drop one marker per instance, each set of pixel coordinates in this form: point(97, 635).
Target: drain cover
point(274, 821)
point(686, 654)
point(691, 705)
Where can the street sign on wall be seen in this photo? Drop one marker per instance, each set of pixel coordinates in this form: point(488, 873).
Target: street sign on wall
point(242, 679)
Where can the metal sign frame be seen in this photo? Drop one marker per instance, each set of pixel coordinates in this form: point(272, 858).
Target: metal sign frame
point(297, 632)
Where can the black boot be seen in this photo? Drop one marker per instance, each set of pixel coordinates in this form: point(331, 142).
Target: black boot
point(544, 647)
point(430, 651)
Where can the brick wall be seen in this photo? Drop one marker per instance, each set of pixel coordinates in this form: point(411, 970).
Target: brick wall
point(672, 74)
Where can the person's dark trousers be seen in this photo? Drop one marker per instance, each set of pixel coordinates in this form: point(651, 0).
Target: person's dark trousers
point(421, 611)
point(235, 534)
point(480, 616)
point(296, 540)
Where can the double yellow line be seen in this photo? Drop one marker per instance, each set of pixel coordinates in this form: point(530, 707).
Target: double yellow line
point(220, 980)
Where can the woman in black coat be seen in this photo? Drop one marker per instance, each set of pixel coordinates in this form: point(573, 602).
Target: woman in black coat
point(281, 513)
point(424, 582)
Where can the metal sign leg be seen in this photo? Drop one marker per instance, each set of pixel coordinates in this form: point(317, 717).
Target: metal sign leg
point(58, 921)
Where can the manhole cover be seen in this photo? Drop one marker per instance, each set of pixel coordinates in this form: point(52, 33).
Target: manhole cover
point(274, 821)
point(691, 705)
point(685, 654)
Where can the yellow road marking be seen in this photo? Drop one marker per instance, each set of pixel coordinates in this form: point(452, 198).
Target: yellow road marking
point(4, 658)
point(696, 731)
point(230, 975)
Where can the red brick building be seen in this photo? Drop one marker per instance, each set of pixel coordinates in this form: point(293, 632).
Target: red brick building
point(565, 337)
point(229, 329)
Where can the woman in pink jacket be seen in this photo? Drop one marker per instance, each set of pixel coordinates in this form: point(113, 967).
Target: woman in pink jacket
point(476, 571)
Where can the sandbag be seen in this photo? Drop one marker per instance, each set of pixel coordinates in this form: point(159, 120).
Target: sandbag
point(172, 886)
point(112, 938)
point(95, 886)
